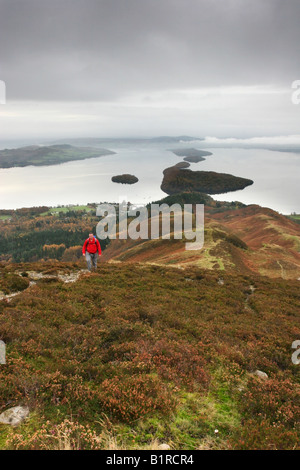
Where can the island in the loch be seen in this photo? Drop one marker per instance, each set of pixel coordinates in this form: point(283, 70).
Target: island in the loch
point(177, 179)
point(125, 179)
point(38, 155)
point(191, 155)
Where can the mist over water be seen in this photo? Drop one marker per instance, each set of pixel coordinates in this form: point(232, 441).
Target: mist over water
point(275, 176)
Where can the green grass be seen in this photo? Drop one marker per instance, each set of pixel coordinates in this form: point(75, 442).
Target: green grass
point(221, 264)
point(294, 217)
point(57, 210)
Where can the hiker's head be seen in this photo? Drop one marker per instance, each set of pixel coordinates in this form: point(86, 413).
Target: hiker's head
point(91, 236)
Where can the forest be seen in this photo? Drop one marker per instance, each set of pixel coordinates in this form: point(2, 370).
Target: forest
point(42, 233)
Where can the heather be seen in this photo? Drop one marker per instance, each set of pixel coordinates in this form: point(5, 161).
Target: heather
point(140, 354)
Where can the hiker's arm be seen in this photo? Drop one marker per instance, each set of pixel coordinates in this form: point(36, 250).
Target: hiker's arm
point(84, 247)
point(99, 247)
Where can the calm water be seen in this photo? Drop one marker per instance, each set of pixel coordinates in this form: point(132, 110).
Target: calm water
point(275, 175)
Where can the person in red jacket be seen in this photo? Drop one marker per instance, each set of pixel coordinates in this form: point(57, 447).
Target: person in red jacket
point(91, 248)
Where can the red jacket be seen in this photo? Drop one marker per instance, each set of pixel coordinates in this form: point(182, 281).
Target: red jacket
point(91, 246)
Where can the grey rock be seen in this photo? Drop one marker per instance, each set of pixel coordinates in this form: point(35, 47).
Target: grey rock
point(261, 375)
point(15, 415)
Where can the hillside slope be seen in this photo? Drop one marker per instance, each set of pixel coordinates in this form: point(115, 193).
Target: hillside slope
point(138, 355)
point(247, 239)
point(273, 239)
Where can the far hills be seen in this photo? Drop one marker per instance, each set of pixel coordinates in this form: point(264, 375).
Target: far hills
point(47, 155)
point(191, 155)
point(132, 140)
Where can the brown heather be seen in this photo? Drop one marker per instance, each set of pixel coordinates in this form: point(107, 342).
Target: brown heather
point(139, 354)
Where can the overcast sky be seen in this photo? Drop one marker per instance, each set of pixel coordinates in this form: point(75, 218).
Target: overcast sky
point(149, 67)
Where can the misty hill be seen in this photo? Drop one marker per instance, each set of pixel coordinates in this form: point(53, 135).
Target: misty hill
point(47, 155)
point(191, 155)
point(181, 138)
point(133, 140)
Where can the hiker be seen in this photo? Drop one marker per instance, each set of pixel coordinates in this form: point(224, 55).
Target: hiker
point(91, 248)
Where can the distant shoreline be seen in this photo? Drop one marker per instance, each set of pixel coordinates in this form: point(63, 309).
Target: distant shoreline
point(35, 155)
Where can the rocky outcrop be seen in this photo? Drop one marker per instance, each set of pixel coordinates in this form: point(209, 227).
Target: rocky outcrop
point(14, 416)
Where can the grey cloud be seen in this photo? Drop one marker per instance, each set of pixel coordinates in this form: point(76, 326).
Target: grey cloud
point(106, 49)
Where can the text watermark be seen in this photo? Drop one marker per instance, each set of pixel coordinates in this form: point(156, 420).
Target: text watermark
point(2, 92)
point(296, 354)
point(296, 93)
point(155, 221)
point(2, 352)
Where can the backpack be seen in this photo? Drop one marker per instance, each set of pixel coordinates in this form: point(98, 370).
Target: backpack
point(88, 241)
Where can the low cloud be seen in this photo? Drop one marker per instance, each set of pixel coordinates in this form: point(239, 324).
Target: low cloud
point(115, 67)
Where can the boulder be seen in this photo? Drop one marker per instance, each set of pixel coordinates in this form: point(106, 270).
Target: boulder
point(261, 375)
point(15, 415)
